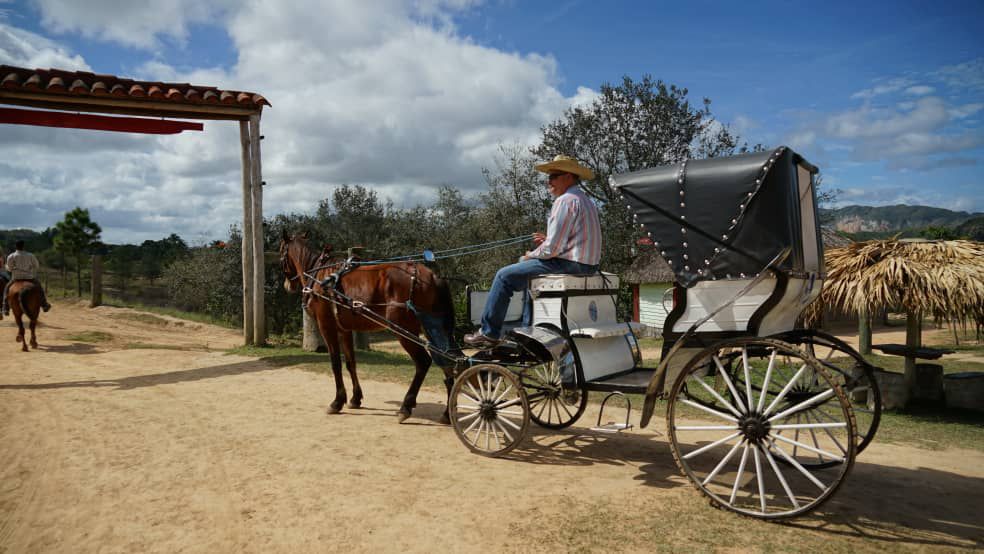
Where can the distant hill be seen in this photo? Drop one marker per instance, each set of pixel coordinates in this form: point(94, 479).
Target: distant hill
point(892, 219)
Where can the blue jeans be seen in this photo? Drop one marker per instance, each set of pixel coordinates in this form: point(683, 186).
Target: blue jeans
point(516, 277)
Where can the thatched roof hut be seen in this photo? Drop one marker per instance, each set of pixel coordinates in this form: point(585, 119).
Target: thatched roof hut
point(649, 267)
point(944, 279)
point(940, 278)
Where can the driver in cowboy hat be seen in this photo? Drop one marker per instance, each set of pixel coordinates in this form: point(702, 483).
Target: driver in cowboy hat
point(571, 245)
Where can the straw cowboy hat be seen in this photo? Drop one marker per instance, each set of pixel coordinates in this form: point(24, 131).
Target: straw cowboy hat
point(566, 164)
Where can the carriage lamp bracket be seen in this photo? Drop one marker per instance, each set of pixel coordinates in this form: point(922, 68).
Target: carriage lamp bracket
point(614, 427)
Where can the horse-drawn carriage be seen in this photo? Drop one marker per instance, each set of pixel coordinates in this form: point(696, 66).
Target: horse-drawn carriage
point(762, 417)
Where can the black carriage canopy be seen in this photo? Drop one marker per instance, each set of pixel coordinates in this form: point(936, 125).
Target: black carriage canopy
point(725, 218)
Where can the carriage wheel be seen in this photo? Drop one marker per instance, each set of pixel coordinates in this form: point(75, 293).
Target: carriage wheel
point(551, 406)
point(852, 372)
point(753, 452)
point(489, 409)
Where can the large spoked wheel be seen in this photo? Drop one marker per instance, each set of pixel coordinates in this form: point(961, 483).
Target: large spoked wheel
point(740, 428)
point(552, 406)
point(489, 409)
point(852, 372)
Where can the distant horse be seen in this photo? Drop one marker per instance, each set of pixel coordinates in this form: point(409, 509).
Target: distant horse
point(384, 289)
point(24, 298)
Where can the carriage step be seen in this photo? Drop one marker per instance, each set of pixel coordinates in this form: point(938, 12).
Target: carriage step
point(611, 426)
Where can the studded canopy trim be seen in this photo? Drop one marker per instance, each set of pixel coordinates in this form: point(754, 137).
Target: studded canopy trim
point(720, 218)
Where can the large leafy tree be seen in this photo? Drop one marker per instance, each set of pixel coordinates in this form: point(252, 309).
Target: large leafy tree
point(76, 236)
point(631, 126)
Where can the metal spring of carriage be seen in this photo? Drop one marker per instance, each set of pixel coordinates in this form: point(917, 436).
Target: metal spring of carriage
point(763, 418)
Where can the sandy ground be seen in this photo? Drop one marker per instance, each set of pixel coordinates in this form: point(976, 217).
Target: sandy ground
point(180, 448)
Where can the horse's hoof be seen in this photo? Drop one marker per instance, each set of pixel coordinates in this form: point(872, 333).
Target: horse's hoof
point(20, 338)
point(355, 405)
point(402, 416)
point(445, 420)
point(333, 410)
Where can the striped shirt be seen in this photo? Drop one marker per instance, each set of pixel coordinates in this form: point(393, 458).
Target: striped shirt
point(573, 230)
point(22, 265)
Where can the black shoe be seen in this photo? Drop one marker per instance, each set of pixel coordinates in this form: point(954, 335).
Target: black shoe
point(46, 307)
point(571, 397)
point(480, 341)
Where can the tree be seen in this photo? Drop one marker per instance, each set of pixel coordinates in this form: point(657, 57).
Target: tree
point(121, 262)
point(633, 126)
point(76, 235)
point(155, 255)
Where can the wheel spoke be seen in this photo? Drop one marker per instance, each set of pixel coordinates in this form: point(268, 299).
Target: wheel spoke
point(716, 395)
point(748, 380)
point(723, 461)
point(564, 406)
point(470, 397)
point(707, 447)
point(785, 486)
point(760, 477)
point(782, 393)
point(472, 426)
point(809, 425)
point(813, 434)
point(727, 380)
point(501, 396)
point(504, 431)
point(509, 422)
point(705, 428)
point(708, 410)
point(765, 382)
point(809, 401)
point(741, 470)
point(470, 416)
point(829, 434)
point(797, 465)
point(478, 396)
point(808, 447)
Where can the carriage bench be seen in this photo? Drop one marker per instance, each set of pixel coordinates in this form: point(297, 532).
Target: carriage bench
point(922, 352)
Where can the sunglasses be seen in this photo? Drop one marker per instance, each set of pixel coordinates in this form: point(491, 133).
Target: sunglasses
point(553, 176)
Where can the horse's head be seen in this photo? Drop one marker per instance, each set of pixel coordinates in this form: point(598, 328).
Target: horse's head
point(294, 256)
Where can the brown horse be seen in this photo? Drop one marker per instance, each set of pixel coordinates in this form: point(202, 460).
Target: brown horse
point(24, 298)
point(3, 283)
point(383, 289)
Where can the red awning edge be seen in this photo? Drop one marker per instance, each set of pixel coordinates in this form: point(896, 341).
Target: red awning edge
point(18, 116)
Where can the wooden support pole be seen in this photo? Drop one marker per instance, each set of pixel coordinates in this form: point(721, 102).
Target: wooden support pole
point(96, 281)
point(259, 272)
point(864, 332)
point(913, 339)
point(247, 239)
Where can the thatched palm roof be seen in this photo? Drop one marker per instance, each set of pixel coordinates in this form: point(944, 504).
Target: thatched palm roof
point(649, 267)
point(939, 278)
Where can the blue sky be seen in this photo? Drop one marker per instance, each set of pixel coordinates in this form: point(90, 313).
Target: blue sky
point(886, 97)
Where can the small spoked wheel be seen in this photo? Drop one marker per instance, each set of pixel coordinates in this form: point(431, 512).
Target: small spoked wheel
point(489, 409)
point(852, 372)
point(742, 428)
point(552, 406)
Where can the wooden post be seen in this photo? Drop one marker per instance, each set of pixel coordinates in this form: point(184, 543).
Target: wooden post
point(259, 273)
point(96, 281)
point(913, 339)
point(864, 332)
point(311, 340)
point(247, 241)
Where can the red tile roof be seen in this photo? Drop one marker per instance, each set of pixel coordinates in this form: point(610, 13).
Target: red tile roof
point(84, 83)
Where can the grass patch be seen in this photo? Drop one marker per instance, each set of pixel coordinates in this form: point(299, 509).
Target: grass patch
point(933, 427)
point(172, 312)
point(90, 336)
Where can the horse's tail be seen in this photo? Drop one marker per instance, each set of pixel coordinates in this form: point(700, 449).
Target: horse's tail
point(447, 308)
point(31, 310)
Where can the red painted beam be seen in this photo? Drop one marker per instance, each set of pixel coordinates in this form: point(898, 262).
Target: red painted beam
point(97, 122)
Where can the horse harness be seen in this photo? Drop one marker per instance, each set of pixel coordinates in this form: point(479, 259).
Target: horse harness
point(333, 293)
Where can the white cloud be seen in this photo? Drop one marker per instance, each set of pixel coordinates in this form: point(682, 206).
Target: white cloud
point(920, 90)
point(136, 23)
point(25, 49)
point(884, 86)
point(385, 94)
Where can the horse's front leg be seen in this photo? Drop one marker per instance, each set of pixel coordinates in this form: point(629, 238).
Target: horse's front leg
point(422, 362)
point(349, 350)
point(336, 371)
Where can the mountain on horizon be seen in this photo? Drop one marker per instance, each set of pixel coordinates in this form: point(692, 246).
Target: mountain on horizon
point(881, 219)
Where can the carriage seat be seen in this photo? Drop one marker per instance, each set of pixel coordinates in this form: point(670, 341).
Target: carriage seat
point(602, 282)
point(605, 331)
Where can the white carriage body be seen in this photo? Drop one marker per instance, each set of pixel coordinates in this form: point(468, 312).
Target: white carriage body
point(584, 308)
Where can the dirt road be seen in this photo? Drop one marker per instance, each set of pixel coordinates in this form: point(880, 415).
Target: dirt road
point(151, 440)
